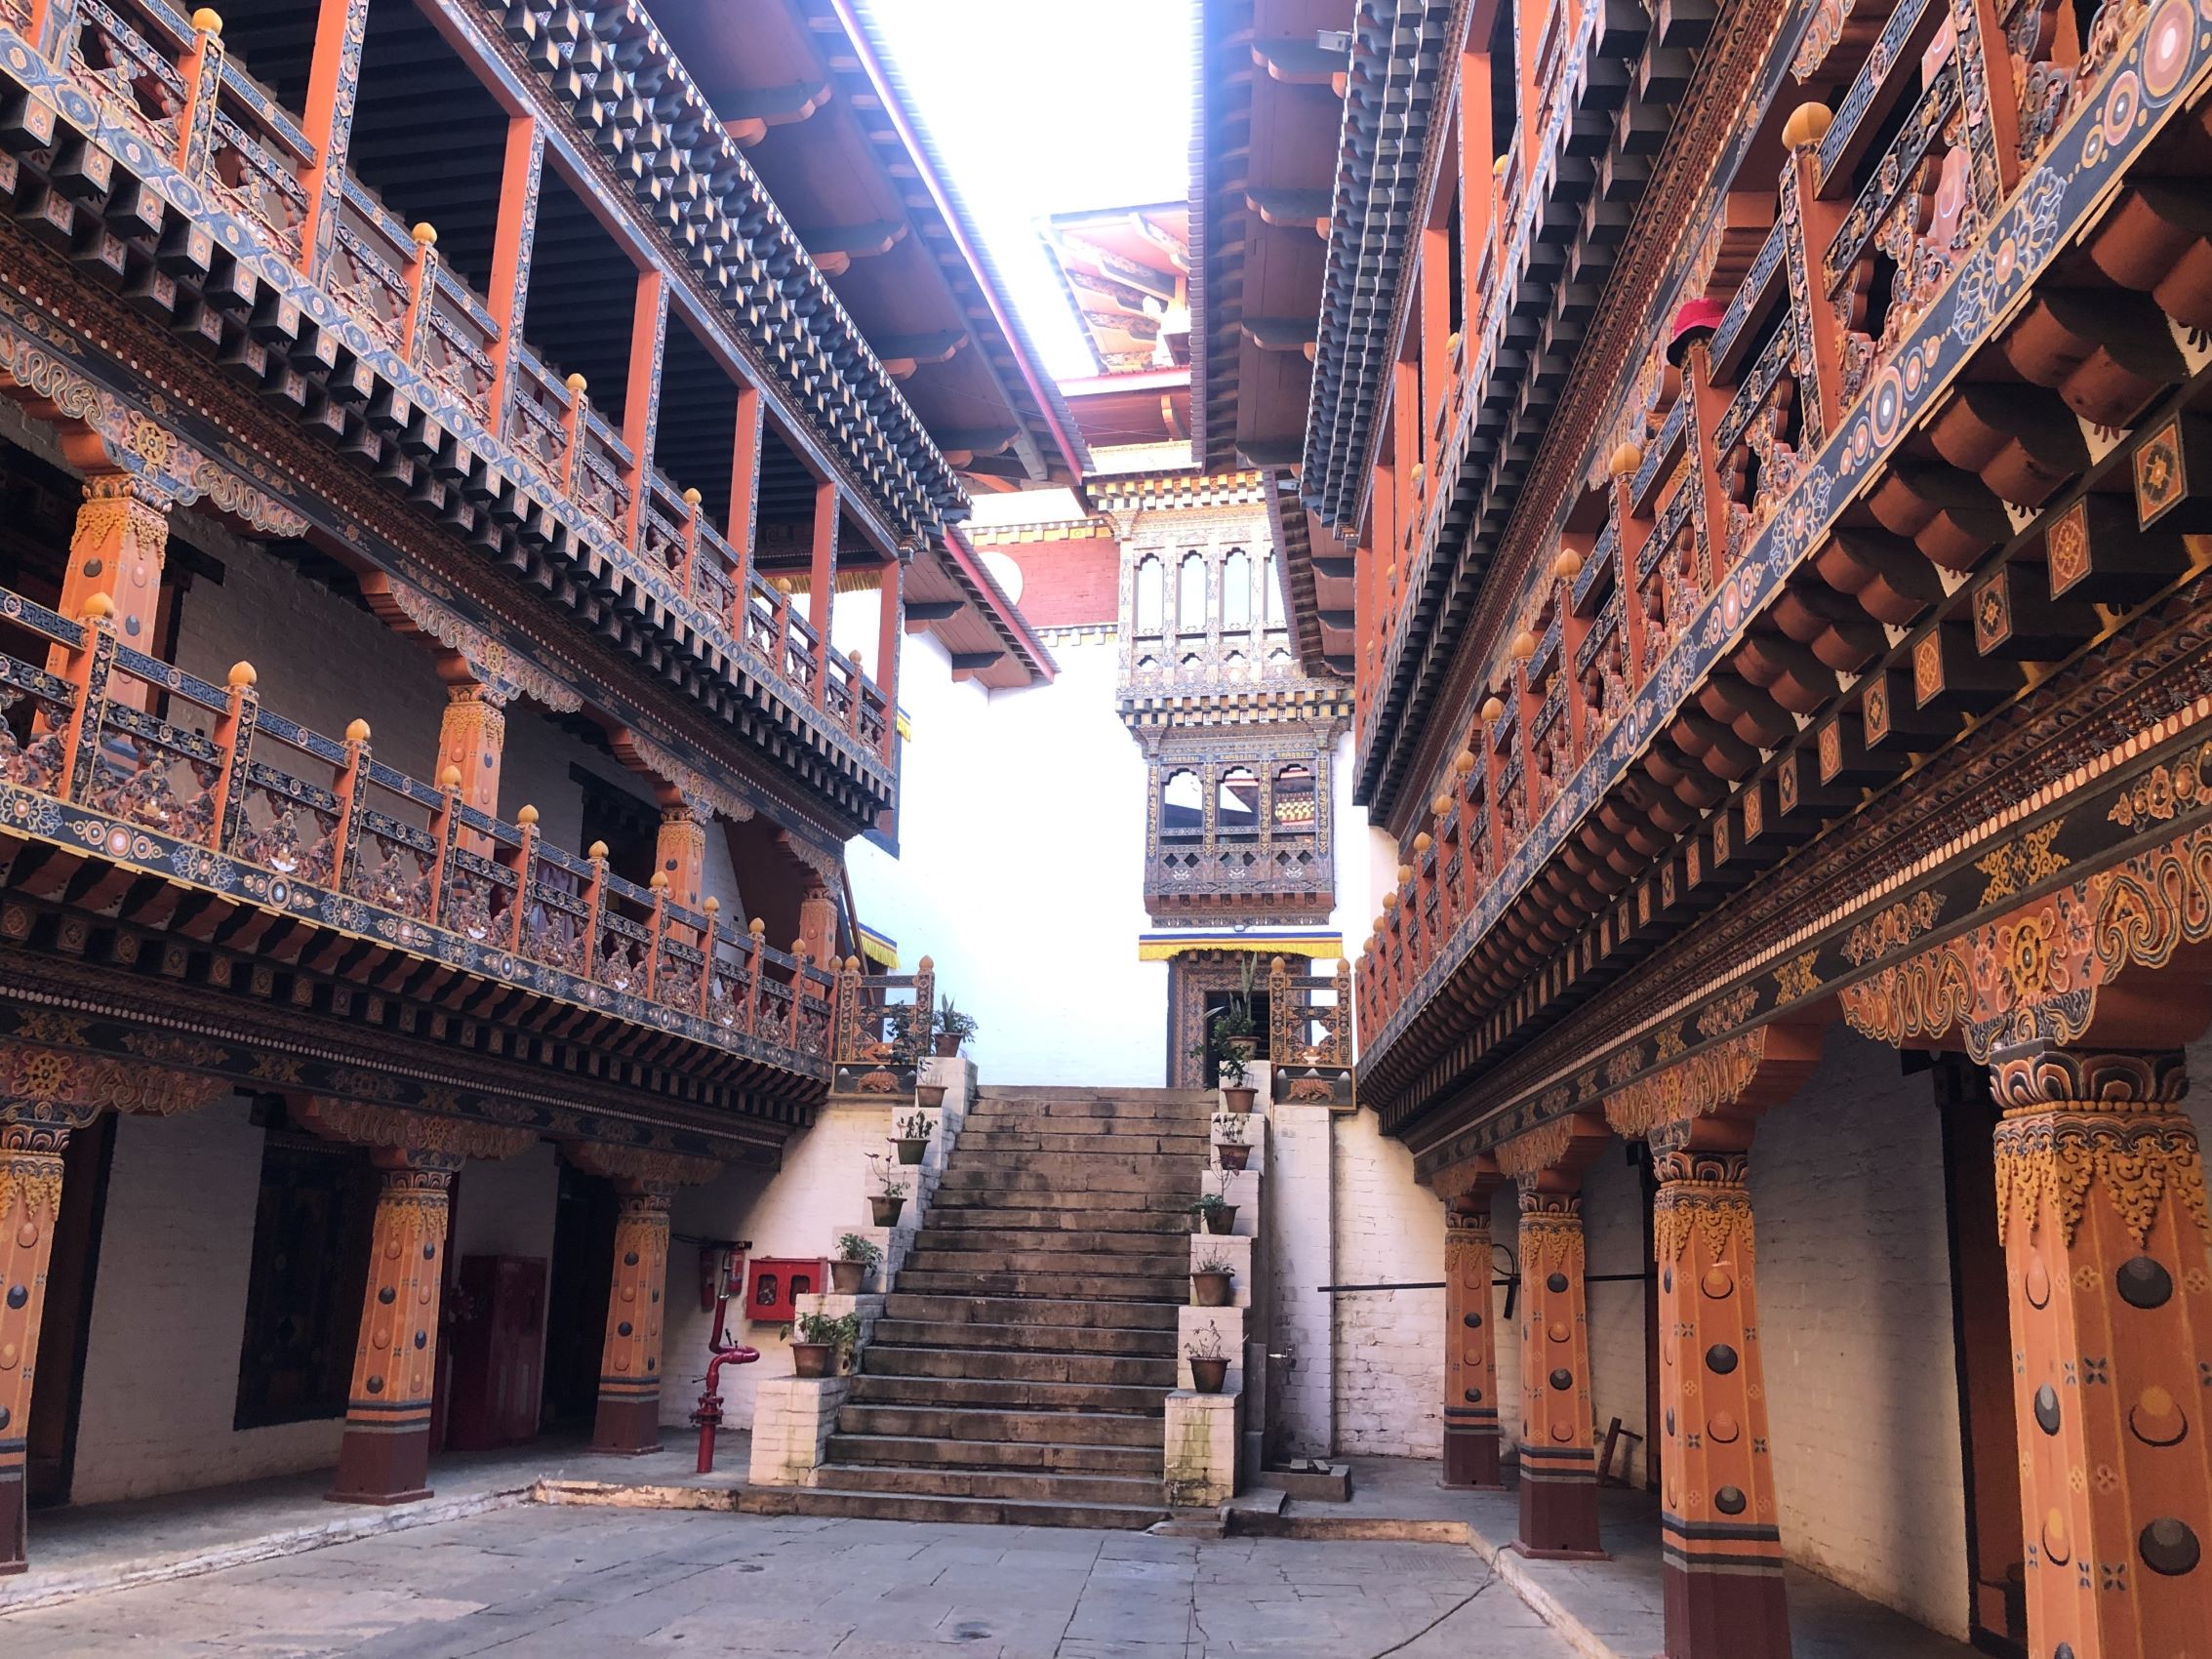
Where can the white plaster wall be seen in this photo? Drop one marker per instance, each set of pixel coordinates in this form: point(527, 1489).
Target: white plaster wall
point(1613, 1243)
point(1506, 1229)
point(799, 1210)
point(1854, 1331)
point(504, 1206)
point(1390, 1350)
point(1302, 1372)
point(1021, 866)
point(161, 1367)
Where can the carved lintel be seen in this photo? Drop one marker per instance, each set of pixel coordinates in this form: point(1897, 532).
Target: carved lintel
point(1535, 1149)
point(65, 1089)
point(397, 1129)
point(502, 674)
point(650, 1169)
point(1748, 1071)
point(681, 784)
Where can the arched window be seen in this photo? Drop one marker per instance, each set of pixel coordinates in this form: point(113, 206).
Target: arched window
point(1236, 591)
point(1191, 594)
point(1271, 582)
point(1295, 804)
point(1182, 805)
point(1236, 806)
point(1152, 594)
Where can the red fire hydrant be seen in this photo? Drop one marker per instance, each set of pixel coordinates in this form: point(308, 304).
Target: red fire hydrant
point(707, 1414)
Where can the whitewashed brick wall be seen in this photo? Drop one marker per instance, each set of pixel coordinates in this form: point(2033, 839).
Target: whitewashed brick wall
point(1389, 1345)
point(1505, 1229)
point(1855, 1329)
point(1613, 1240)
point(161, 1367)
point(1301, 1256)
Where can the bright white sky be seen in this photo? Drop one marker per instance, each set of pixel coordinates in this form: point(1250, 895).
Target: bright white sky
point(1043, 107)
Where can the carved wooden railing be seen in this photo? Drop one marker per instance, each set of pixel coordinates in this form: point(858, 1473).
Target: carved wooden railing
point(155, 73)
point(884, 1017)
point(234, 797)
point(1309, 1014)
point(1880, 205)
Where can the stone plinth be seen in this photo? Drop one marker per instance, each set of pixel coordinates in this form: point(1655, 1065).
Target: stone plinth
point(1203, 1439)
point(791, 1422)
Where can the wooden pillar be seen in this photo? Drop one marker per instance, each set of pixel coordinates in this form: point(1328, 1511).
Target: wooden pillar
point(1559, 1459)
point(680, 851)
point(1720, 1547)
point(334, 73)
point(821, 589)
point(513, 238)
point(641, 395)
point(2100, 1207)
point(745, 485)
point(117, 551)
point(628, 1420)
point(472, 739)
point(32, 1140)
point(385, 1455)
point(818, 923)
point(890, 630)
point(1470, 1350)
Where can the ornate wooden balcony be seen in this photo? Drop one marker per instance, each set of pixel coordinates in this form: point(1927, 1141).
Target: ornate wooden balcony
point(134, 145)
point(241, 834)
point(1934, 448)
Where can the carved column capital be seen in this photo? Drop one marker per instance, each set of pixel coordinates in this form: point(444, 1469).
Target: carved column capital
point(430, 1140)
point(67, 1088)
point(2042, 1077)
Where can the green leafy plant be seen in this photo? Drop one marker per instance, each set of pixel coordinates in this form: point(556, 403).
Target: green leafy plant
point(852, 1247)
point(1206, 1344)
point(1232, 1126)
point(840, 1332)
point(889, 1182)
point(1209, 1205)
point(954, 1025)
point(1213, 1263)
point(1232, 1033)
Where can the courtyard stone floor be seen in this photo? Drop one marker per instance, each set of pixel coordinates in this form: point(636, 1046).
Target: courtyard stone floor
point(555, 1581)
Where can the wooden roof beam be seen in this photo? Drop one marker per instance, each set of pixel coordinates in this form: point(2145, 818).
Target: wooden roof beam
point(746, 116)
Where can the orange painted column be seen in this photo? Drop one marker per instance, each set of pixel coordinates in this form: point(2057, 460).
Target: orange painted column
point(1470, 1350)
point(1559, 1459)
point(818, 923)
point(472, 739)
point(31, 1146)
point(385, 1455)
point(679, 852)
point(1719, 1542)
point(117, 549)
point(630, 1362)
point(2101, 1206)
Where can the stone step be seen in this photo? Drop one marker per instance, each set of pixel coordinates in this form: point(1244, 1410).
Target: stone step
point(1029, 1337)
point(1061, 1093)
point(911, 1479)
point(980, 1511)
point(1084, 1171)
point(1143, 1461)
point(1170, 1263)
point(1050, 1287)
point(881, 1358)
point(908, 1303)
point(981, 1425)
point(1028, 1138)
point(987, 1393)
point(1064, 1242)
point(989, 1218)
point(995, 1108)
point(968, 1185)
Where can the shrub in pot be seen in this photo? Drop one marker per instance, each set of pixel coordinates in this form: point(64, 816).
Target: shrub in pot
point(1210, 1281)
point(890, 1196)
point(1230, 1143)
point(1214, 1213)
point(821, 1339)
point(857, 1259)
point(913, 1139)
point(1209, 1365)
point(929, 1096)
point(952, 1029)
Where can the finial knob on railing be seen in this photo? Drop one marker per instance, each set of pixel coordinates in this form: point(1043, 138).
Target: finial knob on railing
point(99, 607)
point(1423, 842)
point(1390, 900)
point(1464, 762)
point(756, 927)
point(692, 498)
point(1808, 124)
point(926, 965)
point(576, 383)
point(526, 816)
point(712, 907)
point(1440, 805)
point(1568, 565)
point(1523, 646)
point(1405, 874)
point(357, 731)
point(450, 777)
point(242, 675)
point(1493, 711)
point(208, 20)
point(425, 234)
point(596, 852)
point(1626, 460)
point(660, 881)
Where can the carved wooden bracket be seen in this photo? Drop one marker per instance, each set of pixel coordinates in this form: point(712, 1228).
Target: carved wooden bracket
point(1744, 1074)
point(397, 1129)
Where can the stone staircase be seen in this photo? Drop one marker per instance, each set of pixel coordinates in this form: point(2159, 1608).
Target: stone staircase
point(1021, 1369)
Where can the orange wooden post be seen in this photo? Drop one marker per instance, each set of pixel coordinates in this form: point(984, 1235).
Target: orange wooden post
point(385, 1457)
point(1470, 1351)
point(2101, 1208)
point(755, 930)
point(332, 71)
point(692, 499)
point(117, 553)
point(511, 239)
point(234, 736)
point(201, 71)
point(1811, 226)
point(1559, 1459)
point(821, 589)
point(422, 293)
point(629, 1417)
point(890, 628)
point(525, 873)
point(572, 431)
point(744, 492)
point(641, 401)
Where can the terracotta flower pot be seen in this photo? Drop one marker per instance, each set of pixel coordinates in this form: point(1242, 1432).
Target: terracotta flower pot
point(1208, 1375)
point(929, 1096)
point(1242, 1098)
point(1221, 1219)
point(887, 1211)
point(817, 1360)
point(847, 1278)
point(1235, 1157)
point(911, 1152)
point(1209, 1291)
point(948, 1048)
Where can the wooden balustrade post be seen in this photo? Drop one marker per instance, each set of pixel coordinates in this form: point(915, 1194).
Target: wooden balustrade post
point(853, 694)
point(782, 664)
point(1810, 225)
point(691, 539)
point(445, 830)
point(201, 70)
point(707, 941)
point(525, 869)
point(821, 592)
point(88, 668)
point(1340, 1021)
point(333, 70)
point(798, 992)
point(234, 736)
point(352, 786)
point(52, 25)
point(573, 428)
point(594, 907)
point(754, 932)
point(656, 931)
point(925, 999)
point(421, 293)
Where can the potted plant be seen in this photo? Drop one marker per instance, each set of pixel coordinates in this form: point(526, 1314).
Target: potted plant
point(819, 1340)
point(952, 1028)
point(1215, 1213)
point(1209, 1365)
point(1229, 1140)
point(913, 1139)
point(1210, 1280)
point(929, 1096)
point(857, 1259)
point(1229, 1066)
point(1232, 1039)
point(890, 1196)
